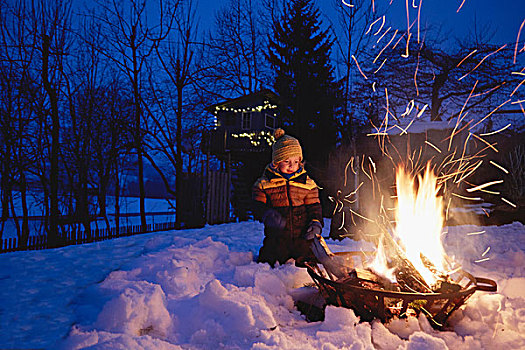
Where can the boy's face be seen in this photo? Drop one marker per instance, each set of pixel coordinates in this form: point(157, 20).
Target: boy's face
point(290, 165)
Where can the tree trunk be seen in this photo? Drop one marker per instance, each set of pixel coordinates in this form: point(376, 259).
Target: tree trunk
point(138, 135)
point(53, 239)
point(178, 165)
point(117, 197)
point(25, 212)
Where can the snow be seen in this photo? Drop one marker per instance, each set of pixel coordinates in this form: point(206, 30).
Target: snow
point(201, 289)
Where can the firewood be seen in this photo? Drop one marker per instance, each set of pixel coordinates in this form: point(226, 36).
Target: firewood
point(407, 276)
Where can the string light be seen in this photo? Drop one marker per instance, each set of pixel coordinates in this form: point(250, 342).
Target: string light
point(257, 138)
point(266, 105)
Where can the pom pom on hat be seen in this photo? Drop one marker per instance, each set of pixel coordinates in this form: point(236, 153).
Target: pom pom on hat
point(285, 146)
point(278, 133)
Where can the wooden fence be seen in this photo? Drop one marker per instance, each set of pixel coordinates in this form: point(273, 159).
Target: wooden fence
point(218, 197)
point(75, 236)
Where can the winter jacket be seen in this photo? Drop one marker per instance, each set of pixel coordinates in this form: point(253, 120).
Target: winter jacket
point(297, 200)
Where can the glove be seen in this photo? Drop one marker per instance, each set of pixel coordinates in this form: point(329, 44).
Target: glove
point(272, 219)
point(313, 230)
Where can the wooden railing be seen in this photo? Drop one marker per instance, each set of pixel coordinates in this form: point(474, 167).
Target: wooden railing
point(77, 236)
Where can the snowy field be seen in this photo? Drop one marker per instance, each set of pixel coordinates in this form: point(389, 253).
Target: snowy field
point(200, 289)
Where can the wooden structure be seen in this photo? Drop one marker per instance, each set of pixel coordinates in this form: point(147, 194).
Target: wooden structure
point(241, 140)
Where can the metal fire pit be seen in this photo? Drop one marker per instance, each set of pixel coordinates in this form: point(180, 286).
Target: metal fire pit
point(370, 302)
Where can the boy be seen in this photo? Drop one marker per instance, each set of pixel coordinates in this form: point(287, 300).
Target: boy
point(287, 202)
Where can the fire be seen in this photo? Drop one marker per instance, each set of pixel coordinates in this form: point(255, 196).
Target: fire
point(419, 219)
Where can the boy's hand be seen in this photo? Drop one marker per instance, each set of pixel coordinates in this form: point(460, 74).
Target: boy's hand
point(313, 230)
point(272, 219)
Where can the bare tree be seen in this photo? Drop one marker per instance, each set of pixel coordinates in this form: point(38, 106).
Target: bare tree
point(16, 91)
point(176, 57)
point(352, 33)
point(132, 37)
point(235, 50)
point(465, 77)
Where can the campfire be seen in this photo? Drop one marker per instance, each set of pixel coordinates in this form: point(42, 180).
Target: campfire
point(409, 273)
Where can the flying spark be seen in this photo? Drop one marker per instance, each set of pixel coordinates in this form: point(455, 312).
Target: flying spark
point(363, 74)
point(460, 6)
point(497, 131)
point(518, 40)
point(476, 233)
point(486, 251)
point(508, 202)
point(499, 166)
point(484, 185)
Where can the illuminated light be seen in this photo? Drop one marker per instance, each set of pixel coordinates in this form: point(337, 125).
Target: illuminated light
point(342, 222)
point(346, 4)
point(422, 110)
point(488, 144)
point(381, 27)
point(497, 131)
point(414, 4)
point(467, 56)
point(516, 89)
point(381, 37)
point(508, 202)
point(408, 20)
point(383, 49)
point(363, 74)
point(404, 131)
point(516, 102)
point(476, 233)
point(518, 73)
point(484, 185)
point(354, 191)
point(397, 42)
point(419, 220)
point(372, 24)
point(491, 90)
point(499, 166)
point(418, 19)
point(483, 59)
point(459, 116)
point(469, 173)
point(373, 164)
point(346, 169)
point(482, 260)
point(374, 84)
point(377, 70)
point(406, 54)
point(460, 6)
point(361, 216)
point(467, 198)
point(415, 74)
point(433, 146)
point(408, 108)
point(380, 263)
point(518, 40)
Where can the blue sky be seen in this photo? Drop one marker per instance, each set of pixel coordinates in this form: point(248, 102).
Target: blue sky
point(504, 16)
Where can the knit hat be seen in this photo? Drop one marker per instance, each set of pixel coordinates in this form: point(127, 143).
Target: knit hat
point(285, 147)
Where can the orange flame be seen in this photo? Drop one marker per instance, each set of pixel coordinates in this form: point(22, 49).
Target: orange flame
point(419, 220)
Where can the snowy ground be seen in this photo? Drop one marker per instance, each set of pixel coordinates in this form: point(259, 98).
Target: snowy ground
point(200, 289)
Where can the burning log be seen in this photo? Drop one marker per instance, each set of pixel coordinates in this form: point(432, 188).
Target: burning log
point(408, 278)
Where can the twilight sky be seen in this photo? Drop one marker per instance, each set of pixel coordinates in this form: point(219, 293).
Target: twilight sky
point(503, 16)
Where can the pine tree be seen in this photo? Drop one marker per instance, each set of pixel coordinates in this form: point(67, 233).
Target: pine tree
point(299, 53)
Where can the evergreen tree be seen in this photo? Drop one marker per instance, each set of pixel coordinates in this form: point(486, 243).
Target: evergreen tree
point(299, 53)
